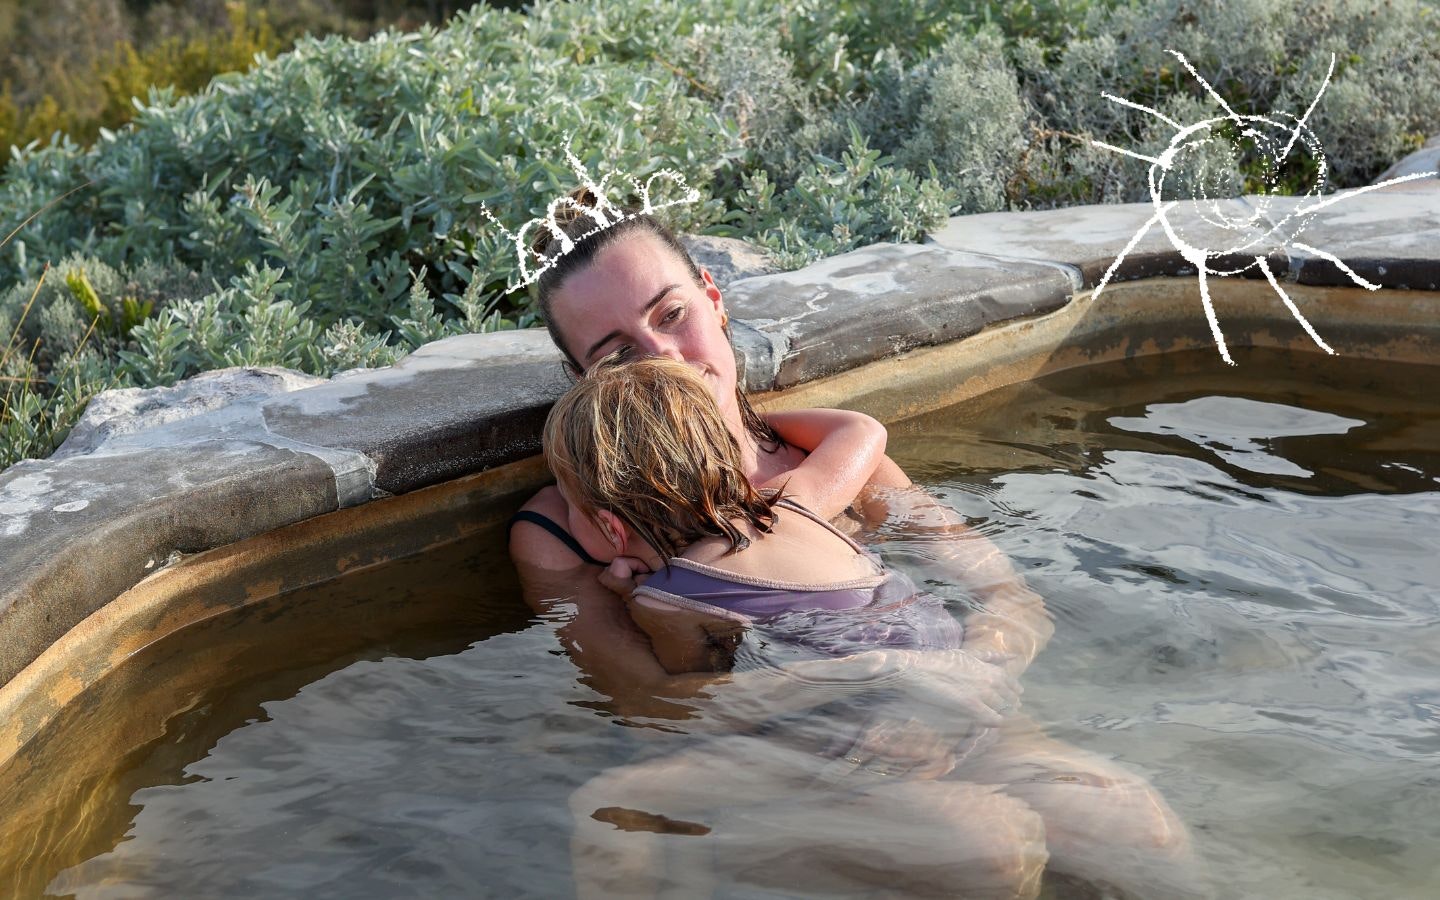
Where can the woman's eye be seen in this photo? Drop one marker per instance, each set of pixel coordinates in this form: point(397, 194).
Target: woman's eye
point(614, 355)
point(673, 315)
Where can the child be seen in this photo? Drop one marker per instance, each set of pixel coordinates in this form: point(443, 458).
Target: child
point(650, 471)
point(740, 576)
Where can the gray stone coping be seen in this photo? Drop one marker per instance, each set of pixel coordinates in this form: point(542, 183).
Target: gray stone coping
point(1389, 237)
point(225, 456)
point(884, 299)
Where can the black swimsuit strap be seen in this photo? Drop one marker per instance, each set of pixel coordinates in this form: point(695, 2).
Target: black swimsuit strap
point(550, 525)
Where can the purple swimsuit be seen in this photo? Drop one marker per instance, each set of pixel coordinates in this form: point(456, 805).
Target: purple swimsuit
point(882, 610)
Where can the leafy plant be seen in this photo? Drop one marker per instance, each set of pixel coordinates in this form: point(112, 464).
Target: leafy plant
point(846, 203)
point(321, 210)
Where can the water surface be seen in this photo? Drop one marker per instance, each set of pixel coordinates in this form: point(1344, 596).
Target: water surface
point(1243, 571)
point(1243, 568)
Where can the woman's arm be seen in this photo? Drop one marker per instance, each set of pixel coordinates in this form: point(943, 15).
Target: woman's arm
point(617, 659)
point(592, 623)
point(613, 654)
point(1011, 625)
point(845, 451)
point(685, 640)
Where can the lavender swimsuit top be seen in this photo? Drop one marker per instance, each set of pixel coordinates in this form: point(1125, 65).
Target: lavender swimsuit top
point(884, 609)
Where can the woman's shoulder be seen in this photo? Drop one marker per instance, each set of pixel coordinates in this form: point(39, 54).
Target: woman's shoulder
point(534, 544)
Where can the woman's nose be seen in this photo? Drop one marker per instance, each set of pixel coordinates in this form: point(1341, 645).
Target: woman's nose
point(661, 345)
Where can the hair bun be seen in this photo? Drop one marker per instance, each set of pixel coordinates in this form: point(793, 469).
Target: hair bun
point(572, 219)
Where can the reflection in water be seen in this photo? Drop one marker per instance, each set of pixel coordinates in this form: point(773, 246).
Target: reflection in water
point(1242, 570)
point(1237, 429)
point(1245, 600)
point(391, 777)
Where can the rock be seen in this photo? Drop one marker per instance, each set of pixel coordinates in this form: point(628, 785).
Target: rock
point(1426, 159)
point(1090, 238)
point(231, 454)
point(1389, 238)
point(76, 533)
point(454, 406)
point(728, 259)
point(881, 300)
point(126, 411)
point(758, 354)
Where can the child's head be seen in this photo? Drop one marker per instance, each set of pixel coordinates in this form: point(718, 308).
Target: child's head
point(646, 443)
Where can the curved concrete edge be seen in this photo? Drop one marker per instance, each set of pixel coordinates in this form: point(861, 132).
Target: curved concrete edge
point(1389, 237)
point(77, 531)
point(248, 574)
point(96, 527)
point(283, 604)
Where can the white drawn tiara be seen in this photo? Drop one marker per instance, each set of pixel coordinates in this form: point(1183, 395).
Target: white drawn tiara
point(601, 211)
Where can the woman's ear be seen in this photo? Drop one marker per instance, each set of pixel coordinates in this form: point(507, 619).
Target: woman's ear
point(614, 529)
point(712, 290)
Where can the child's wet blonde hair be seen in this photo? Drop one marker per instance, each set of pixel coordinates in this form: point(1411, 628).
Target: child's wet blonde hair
point(646, 441)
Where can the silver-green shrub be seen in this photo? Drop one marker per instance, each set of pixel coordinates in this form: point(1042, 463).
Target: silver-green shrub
point(322, 210)
point(750, 79)
point(1262, 56)
point(971, 124)
point(857, 200)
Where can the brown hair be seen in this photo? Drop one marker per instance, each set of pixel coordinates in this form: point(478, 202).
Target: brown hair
point(646, 441)
point(574, 222)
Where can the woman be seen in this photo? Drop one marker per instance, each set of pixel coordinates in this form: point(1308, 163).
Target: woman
point(755, 585)
point(632, 289)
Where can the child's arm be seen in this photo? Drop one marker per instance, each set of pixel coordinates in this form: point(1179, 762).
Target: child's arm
point(845, 450)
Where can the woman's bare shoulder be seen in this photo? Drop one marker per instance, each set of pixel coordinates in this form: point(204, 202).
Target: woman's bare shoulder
point(531, 545)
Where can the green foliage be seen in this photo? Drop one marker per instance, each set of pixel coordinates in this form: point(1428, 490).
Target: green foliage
point(245, 324)
point(970, 122)
point(131, 311)
point(844, 204)
point(1261, 56)
point(84, 98)
point(321, 210)
point(34, 421)
point(750, 79)
point(84, 292)
point(73, 66)
point(38, 408)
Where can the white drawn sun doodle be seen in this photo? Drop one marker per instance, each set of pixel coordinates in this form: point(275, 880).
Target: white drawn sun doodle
point(1274, 137)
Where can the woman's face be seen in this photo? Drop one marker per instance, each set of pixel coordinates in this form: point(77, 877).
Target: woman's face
point(636, 296)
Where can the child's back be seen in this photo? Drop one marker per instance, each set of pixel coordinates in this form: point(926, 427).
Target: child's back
point(804, 587)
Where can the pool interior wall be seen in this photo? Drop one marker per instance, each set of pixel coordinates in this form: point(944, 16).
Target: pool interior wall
point(72, 716)
point(318, 591)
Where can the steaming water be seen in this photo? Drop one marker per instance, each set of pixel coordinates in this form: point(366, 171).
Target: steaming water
point(1242, 565)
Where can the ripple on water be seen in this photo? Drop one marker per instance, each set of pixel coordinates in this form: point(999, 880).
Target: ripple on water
point(1240, 567)
point(1245, 593)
